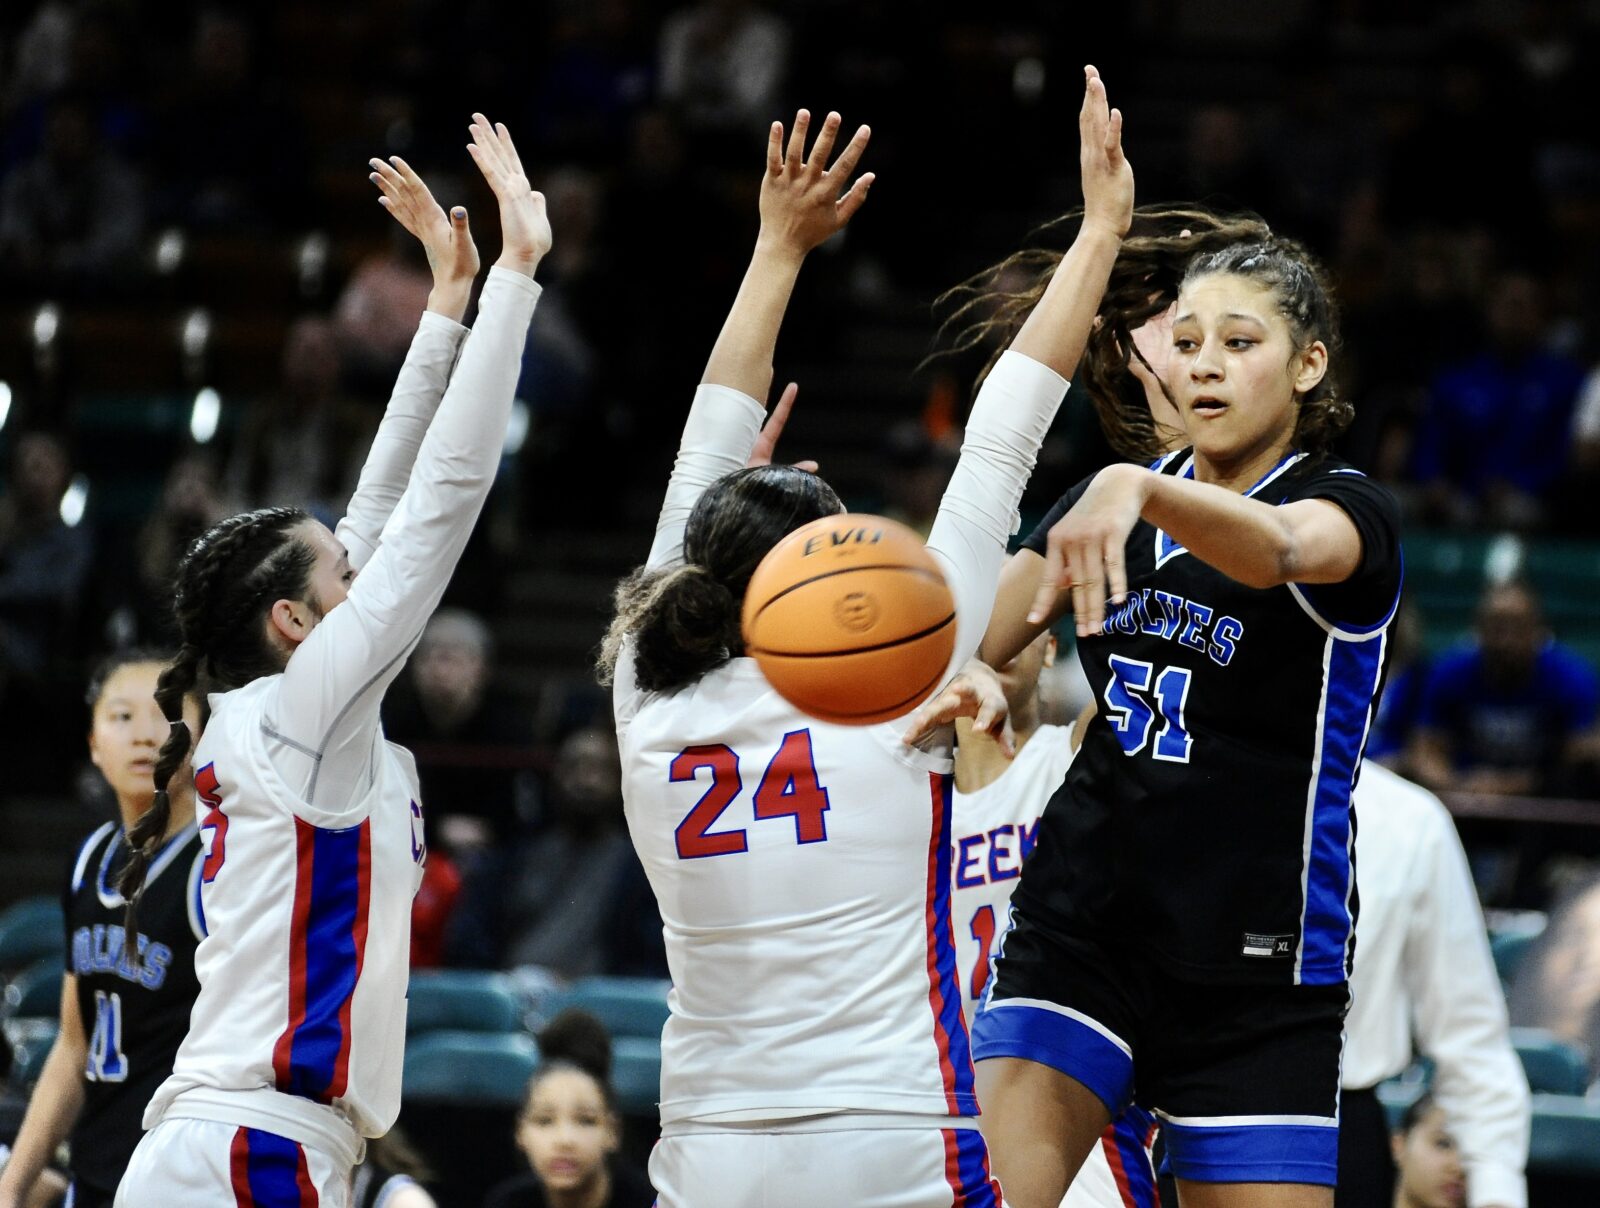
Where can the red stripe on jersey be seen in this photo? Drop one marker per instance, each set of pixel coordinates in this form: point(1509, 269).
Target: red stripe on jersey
point(239, 1169)
point(936, 856)
point(1108, 1142)
point(283, 1051)
point(341, 1069)
point(952, 1168)
point(302, 1180)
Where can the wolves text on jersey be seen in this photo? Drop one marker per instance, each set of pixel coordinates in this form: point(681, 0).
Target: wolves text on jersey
point(1166, 614)
point(99, 949)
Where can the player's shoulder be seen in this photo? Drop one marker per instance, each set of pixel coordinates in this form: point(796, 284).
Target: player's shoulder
point(90, 850)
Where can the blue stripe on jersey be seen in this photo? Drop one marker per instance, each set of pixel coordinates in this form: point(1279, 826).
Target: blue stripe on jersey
point(949, 1020)
point(272, 1167)
point(972, 1163)
point(330, 957)
point(1348, 689)
point(1138, 1183)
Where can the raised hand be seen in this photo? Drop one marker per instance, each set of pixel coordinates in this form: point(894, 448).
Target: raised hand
point(1107, 175)
point(767, 443)
point(446, 240)
point(976, 693)
point(804, 201)
point(524, 226)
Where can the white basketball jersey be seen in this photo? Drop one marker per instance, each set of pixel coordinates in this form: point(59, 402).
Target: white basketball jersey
point(304, 967)
point(995, 829)
point(803, 874)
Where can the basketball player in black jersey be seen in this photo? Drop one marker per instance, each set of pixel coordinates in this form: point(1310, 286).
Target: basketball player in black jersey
point(122, 1016)
point(1183, 930)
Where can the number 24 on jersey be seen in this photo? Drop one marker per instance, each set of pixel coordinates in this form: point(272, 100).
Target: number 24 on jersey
point(788, 789)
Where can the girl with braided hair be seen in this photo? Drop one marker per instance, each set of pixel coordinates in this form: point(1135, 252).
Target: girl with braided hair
point(121, 1018)
point(312, 821)
point(1182, 932)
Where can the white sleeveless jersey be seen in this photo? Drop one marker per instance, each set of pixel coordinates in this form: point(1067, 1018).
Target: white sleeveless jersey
point(803, 869)
point(995, 828)
point(304, 967)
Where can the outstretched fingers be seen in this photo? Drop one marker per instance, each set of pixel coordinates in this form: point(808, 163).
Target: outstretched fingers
point(795, 159)
point(851, 155)
point(775, 149)
point(818, 161)
point(856, 197)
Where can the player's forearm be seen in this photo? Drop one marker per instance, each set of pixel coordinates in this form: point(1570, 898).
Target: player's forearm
point(1057, 330)
point(52, 1111)
point(417, 391)
point(1245, 539)
point(742, 356)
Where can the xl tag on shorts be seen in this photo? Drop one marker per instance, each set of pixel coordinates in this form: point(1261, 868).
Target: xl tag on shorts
point(1267, 945)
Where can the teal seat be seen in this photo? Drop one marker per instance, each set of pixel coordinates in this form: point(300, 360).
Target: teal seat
point(31, 1041)
point(1552, 1064)
point(461, 1000)
point(1397, 1095)
point(628, 1006)
point(1509, 947)
point(636, 1074)
point(1566, 1136)
point(30, 929)
point(36, 991)
point(470, 1068)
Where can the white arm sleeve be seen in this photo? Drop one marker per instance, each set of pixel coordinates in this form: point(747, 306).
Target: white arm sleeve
point(1460, 1022)
point(416, 396)
point(721, 430)
point(322, 729)
point(1013, 411)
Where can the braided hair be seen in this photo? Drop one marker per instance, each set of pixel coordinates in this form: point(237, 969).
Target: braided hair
point(228, 579)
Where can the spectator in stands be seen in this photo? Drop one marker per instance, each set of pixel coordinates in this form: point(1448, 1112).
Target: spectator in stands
point(1425, 983)
point(1492, 442)
point(302, 446)
point(920, 466)
point(569, 1127)
point(391, 1175)
point(466, 734)
point(722, 62)
point(74, 213)
point(44, 561)
point(1557, 985)
point(1428, 1160)
point(191, 502)
point(1512, 713)
point(548, 903)
point(1396, 719)
point(375, 316)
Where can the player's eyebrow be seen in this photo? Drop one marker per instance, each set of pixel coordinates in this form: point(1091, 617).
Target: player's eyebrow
point(1232, 314)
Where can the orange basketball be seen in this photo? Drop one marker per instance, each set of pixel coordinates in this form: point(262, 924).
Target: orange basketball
point(850, 619)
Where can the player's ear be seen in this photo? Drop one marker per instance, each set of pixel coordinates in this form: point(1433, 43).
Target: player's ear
point(290, 620)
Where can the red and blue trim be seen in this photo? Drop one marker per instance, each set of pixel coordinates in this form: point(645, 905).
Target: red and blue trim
point(966, 1169)
point(944, 986)
point(327, 943)
point(1126, 1144)
point(269, 1171)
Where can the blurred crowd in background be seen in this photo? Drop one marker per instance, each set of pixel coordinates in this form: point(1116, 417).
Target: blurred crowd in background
point(202, 307)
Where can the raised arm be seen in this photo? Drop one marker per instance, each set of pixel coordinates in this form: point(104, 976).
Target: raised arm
point(1018, 399)
point(331, 689)
point(453, 257)
point(803, 203)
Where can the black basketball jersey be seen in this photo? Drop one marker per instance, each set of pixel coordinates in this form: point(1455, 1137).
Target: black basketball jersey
point(135, 1010)
point(1207, 820)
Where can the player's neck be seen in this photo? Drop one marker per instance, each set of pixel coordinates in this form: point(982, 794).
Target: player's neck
point(182, 813)
point(1240, 473)
point(979, 759)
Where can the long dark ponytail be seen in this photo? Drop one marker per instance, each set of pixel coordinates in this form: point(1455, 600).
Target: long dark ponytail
point(1163, 242)
point(229, 576)
point(684, 620)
